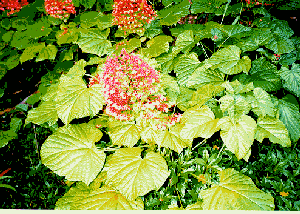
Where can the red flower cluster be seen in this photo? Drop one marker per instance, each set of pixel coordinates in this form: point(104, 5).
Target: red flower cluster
point(277, 56)
point(256, 2)
point(129, 85)
point(12, 5)
point(59, 8)
point(132, 14)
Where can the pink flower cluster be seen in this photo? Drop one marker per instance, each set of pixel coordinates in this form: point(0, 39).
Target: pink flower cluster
point(12, 5)
point(132, 14)
point(59, 8)
point(130, 85)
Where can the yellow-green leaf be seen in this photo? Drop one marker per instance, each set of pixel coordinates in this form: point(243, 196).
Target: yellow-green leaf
point(81, 197)
point(274, 129)
point(238, 137)
point(45, 112)
point(236, 192)
point(134, 176)
point(170, 138)
point(198, 121)
point(71, 152)
point(123, 133)
point(157, 46)
point(75, 100)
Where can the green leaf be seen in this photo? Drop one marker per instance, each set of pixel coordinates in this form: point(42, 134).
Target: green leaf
point(239, 136)
point(229, 62)
point(69, 36)
point(8, 186)
point(291, 78)
point(13, 61)
point(290, 116)
point(153, 29)
point(129, 46)
point(89, 18)
point(105, 21)
point(198, 121)
point(15, 124)
point(185, 66)
point(170, 86)
point(184, 42)
point(31, 51)
point(94, 41)
point(236, 192)
point(88, 3)
point(157, 46)
point(6, 136)
point(171, 15)
point(207, 6)
point(81, 197)
point(280, 44)
point(134, 176)
point(48, 52)
point(7, 36)
point(46, 112)
point(71, 152)
point(274, 129)
point(170, 138)
point(263, 75)
point(235, 30)
point(258, 37)
point(262, 105)
point(123, 133)
point(75, 100)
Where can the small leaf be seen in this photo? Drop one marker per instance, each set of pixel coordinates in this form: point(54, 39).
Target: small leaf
point(31, 51)
point(48, 52)
point(134, 176)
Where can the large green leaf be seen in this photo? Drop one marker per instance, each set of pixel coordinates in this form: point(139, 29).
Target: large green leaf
point(235, 30)
point(81, 197)
point(134, 176)
point(261, 103)
point(291, 78)
point(258, 37)
point(157, 46)
point(198, 121)
point(280, 44)
point(274, 129)
point(238, 137)
point(75, 100)
point(185, 66)
point(31, 51)
point(170, 86)
point(170, 138)
point(69, 36)
point(184, 41)
point(171, 15)
point(71, 152)
point(48, 52)
point(94, 41)
point(229, 62)
point(236, 192)
point(123, 133)
point(45, 112)
point(262, 74)
point(290, 116)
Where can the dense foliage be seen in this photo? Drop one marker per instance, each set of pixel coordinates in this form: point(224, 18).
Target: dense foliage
point(172, 104)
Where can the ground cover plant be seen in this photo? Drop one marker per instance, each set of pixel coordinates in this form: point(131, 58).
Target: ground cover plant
point(171, 104)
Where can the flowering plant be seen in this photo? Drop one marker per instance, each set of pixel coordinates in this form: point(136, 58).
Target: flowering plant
point(129, 127)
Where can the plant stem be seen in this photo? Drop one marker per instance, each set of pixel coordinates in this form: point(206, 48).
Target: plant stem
point(199, 144)
point(179, 197)
point(221, 150)
point(225, 10)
